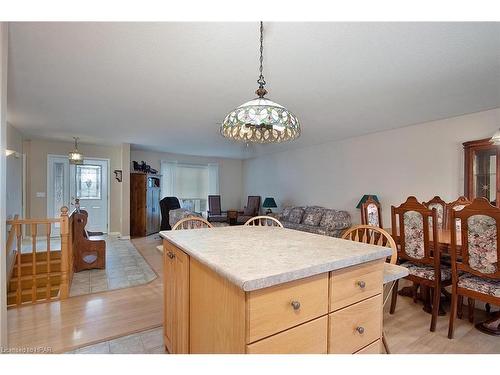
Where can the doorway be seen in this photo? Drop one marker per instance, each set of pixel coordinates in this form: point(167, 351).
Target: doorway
point(88, 182)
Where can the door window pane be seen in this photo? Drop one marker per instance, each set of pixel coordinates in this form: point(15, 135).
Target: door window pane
point(88, 181)
point(484, 180)
point(58, 198)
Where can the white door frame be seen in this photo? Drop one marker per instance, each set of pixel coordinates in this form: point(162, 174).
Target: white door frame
point(107, 192)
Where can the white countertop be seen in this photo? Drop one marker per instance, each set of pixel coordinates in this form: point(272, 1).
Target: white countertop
point(258, 257)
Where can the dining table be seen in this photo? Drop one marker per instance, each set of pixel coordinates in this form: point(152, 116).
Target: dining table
point(490, 326)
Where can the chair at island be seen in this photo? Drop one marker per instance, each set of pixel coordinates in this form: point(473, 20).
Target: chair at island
point(264, 221)
point(392, 273)
point(192, 222)
point(88, 254)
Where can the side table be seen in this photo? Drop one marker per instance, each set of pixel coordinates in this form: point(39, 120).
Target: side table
point(232, 216)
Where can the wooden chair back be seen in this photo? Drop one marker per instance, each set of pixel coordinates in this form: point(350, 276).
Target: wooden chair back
point(411, 225)
point(192, 222)
point(371, 213)
point(253, 205)
point(373, 236)
point(214, 206)
point(480, 247)
point(456, 205)
point(440, 206)
point(264, 221)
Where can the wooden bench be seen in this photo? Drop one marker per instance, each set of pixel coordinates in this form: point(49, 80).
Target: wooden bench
point(87, 253)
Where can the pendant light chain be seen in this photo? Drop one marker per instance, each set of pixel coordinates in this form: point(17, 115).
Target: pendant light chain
point(261, 91)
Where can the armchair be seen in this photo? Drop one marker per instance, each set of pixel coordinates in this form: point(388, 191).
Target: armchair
point(215, 214)
point(251, 209)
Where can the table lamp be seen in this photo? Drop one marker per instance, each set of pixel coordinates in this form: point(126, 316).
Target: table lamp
point(269, 203)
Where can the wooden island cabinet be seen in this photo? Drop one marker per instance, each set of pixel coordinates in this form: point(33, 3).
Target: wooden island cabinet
point(208, 310)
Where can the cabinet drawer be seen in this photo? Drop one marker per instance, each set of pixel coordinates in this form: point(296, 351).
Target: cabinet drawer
point(373, 348)
point(353, 284)
point(308, 338)
point(270, 310)
point(356, 326)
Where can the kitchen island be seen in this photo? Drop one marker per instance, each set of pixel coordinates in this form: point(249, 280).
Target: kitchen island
point(270, 290)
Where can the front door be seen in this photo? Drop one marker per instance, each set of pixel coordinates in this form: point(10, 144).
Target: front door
point(87, 182)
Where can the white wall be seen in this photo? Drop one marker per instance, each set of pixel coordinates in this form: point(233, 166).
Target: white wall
point(14, 204)
point(230, 172)
point(422, 160)
point(3, 135)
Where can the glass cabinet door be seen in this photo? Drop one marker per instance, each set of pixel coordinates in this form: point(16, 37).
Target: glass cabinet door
point(485, 174)
point(481, 170)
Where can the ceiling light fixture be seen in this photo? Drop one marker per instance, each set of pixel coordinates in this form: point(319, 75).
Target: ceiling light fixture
point(260, 120)
point(75, 156)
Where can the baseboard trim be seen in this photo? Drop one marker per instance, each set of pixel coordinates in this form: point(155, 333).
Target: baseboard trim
point(124, 237)
point(114, 233)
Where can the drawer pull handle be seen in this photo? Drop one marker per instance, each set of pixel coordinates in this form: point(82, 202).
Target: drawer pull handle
point(295, 305)
point(171, 255)
point(361, 284)
point(360, 330)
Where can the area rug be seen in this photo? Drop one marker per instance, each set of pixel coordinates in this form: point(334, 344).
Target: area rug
point(125, 267)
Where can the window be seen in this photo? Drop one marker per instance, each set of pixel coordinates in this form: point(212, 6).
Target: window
point(88, 181)
point(190, 183)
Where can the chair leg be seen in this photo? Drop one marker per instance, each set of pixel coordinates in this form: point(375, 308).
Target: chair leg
point(435, 307)
point(471, 302)
point(394, 297)
point(384, 341)
point(415, 292)
point(460, 308)
point(453, 312)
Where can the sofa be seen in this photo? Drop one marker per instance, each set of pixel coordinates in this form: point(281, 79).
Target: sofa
point(315, 219)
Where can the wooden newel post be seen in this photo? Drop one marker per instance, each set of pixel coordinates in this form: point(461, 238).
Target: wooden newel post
point(65, 253)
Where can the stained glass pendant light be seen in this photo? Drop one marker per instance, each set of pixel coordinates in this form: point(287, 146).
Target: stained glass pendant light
point(260, 120)
point(75, 156)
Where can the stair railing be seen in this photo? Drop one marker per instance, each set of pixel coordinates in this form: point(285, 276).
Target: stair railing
point(22, 227)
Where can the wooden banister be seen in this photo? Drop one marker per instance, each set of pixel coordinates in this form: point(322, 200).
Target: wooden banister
point(41, 265)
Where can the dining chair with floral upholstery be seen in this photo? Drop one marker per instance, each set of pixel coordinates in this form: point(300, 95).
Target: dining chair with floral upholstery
point(371, 213)
point(456, 205)
point(411, 226)
point(440, 206)
point(476, 266)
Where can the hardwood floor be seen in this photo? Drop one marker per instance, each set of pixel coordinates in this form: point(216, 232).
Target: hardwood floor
point(84, 320)
point(407, 332)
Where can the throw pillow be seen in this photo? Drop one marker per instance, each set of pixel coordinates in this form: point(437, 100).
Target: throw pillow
point(285, 214)
point(296, 215)
point(312, 216)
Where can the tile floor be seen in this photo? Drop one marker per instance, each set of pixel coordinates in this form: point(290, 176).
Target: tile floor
point(146, 342)
point(125, 267)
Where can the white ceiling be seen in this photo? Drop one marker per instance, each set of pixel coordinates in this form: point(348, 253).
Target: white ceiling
point(167, 86)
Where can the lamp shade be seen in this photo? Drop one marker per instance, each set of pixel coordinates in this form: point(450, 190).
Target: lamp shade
point(269, 203)
point(365, 198)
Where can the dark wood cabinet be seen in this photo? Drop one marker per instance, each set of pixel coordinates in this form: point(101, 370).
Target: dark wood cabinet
point(481, 172)
point(145, 193)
